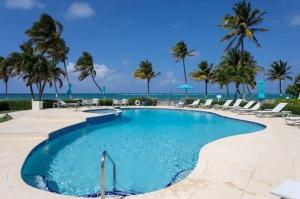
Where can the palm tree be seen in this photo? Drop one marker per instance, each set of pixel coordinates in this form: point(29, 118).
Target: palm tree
point(240, 75)
point(56, 76)
point(203, 73)
point(5, 72)
point(222, 76)
point(181, 52)
point(145, 72)
point(85, 66)
point(279, 70)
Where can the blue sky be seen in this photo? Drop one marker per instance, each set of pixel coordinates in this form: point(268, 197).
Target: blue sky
point(121, 33)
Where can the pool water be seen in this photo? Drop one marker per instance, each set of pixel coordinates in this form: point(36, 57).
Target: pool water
point(152, 149)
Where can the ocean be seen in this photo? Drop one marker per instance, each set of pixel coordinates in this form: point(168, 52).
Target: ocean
point(160, 96)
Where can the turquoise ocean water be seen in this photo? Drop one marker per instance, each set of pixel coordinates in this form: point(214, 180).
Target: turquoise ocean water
point(160, 96)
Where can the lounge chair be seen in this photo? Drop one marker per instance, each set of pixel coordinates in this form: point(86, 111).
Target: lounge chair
point(235, 105)
point(207, 104)
point(273, 112)
point(226, 104)
point(179, 104)
point(95, 102)
point(292, 120)
point(62, 104)
point(249, 110)
point(124, 102)
point(87, 103)
point(116, 102)
point(247, 106)
point(287, 190)
point(194, 104)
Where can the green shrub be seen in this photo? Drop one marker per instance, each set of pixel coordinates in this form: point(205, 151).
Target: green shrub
point(105, 102)
point(295, 109)
point(267, 106)
point(15, 105)
point(293, 106)
point(290, 101)
point(144, 101)
point(48, 103)
point(72, 100)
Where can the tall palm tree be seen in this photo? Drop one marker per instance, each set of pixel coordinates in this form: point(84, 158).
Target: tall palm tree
point(145, 72)
point(203, 73)
point(85, 65)
point(222, 76)
point(279, 70)
point(242, 24)
point(56, 76)
point(240, 75)
point(180, 52)
point(5, 72)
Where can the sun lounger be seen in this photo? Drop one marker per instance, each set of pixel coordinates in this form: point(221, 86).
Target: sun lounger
point(207, 104)
point(63, 104)
point(287, 190)
point(274, 112)
point(179, 104)
point(124, 102)
point(247, 106)
point(226, 104)
point(116, 102)
point(95, 102)
point(249, 110)
point(194, 104)
point(235, 105)
point(292, 120)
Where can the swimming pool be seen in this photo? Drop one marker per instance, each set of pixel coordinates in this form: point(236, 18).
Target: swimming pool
point(152, 149)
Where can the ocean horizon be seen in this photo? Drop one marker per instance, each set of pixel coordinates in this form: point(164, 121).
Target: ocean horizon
point(160, 96)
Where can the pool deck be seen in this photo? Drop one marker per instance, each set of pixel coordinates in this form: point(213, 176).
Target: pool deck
point(245, 166)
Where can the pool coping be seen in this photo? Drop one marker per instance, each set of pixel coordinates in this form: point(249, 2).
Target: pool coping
point(198, 168)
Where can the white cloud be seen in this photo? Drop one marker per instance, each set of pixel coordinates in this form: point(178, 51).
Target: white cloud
point(125, 62)
point(80, 10)
point(295, 21)
point(169, 79)
point(23, 4)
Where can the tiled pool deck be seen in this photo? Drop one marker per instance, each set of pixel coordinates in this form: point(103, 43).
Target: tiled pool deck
point(238, 167)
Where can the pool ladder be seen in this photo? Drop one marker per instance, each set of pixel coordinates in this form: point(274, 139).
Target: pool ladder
point(102, 183)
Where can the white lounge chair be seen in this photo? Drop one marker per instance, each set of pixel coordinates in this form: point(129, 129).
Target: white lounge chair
point(287, 190)
point(226, 104)
point(292, 120)
point(247, 106)
point(87, 103)
point(95, 102)
point(116, 102)
point(124, 102)
point(207, 104)
point(62, 104)
point(179, 104)
point(235, 105)
point(272, 112)
point(249, 110)
point(194, 104)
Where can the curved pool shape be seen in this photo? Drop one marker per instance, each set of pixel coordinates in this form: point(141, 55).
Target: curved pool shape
point(151, 148)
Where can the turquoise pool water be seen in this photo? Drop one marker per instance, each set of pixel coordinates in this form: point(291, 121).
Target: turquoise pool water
point(151, 148)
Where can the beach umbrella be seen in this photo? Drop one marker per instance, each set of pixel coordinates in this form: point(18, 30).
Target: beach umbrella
point(186, 87)
point(261, 93)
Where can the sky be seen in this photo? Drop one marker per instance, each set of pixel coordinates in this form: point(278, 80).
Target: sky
point(121, 33)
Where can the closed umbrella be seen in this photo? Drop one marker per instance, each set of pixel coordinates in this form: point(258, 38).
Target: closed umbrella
point(261, 90)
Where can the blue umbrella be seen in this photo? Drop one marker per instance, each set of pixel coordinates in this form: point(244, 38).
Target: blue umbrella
point(186, 87)
point(69, 92)
point(261, 93)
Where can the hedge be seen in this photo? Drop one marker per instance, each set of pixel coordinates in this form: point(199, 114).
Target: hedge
point(144, 101)
point(293, 105)
point(105, 102)
point(16, 105)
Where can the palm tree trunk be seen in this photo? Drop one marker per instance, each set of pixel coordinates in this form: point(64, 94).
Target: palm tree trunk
point(148, 87)
point(31, 91)
point(206, 82)
point(227, 91)
point(56, 92)
point(280, 91)
point(244, 92)
point(97, 84)
point(185, 79)
point(6, 82)
point(236, 90)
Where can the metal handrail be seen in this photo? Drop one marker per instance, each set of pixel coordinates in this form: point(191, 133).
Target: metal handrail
point(104, 155)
